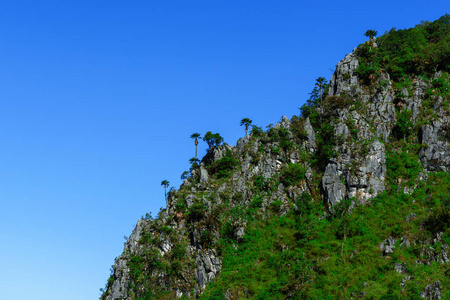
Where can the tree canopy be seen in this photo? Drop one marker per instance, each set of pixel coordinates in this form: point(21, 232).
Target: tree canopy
point(212, 139)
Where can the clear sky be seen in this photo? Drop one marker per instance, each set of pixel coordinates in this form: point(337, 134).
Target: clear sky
point(98, 100)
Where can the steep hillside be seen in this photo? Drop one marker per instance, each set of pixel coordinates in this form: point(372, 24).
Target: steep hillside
point(350, 200)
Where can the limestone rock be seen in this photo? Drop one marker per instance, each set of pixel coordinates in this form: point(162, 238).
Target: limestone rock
point(388, 245)
point(432, 291)
point(435, 154)
point(344, 78)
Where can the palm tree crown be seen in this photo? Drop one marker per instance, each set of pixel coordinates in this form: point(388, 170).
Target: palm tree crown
point(371, 34)
point(194, 160)
point(165, 184)
point(246, 122)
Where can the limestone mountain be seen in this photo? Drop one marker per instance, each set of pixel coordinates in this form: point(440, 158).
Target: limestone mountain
point(351, 200)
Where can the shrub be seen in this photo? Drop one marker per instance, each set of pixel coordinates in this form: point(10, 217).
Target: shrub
point(298, 129)
point(292, 174)
point(260, 183)
point(366, 73)
point(402, 165)
point(257, 131)
point(223, 167)
point(404, 126)
point(197, 211)
point(332, 103)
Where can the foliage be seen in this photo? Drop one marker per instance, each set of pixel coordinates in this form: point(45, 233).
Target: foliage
point(302, 257)
point(257, 131)
point(165, 183)
point(326, 144)
point(298, 129)
point(281, 135)
point(371, 33)
point(293, 247)
point(195, 136)
point(246, 122)
point(366, 72)
point(421, 50)
point(185, 175)
point(212, 139)
point(404, 126)
point(314, 100)
point(223, 167)
point(292, 174)
point(401, 165)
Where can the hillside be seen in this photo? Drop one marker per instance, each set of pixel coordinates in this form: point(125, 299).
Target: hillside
point(350, 200)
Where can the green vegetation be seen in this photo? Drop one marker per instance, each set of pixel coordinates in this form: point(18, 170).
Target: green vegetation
point(212, 139)
point(404, 126)
point(371, 34)
point(271, 188)
point(421, 51)
point(246, 122)
point(292, 174)
point(307, 257)
point(223, 167)
point(165, 184)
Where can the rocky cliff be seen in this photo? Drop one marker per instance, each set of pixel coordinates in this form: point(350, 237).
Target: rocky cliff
point(349, 200)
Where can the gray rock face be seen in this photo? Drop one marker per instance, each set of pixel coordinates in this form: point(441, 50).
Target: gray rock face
point(359, 177)
point(400, 268)
point(362, 125)
point(405, 279)
point(430, 254)
point(203, 175)
point(208, 265)
point(344, 78)
point(119, 288)
point(432, 291)
point(311, 136)
point(332, 184)
point(381, 111)
point(435, 155)
point(388, 245)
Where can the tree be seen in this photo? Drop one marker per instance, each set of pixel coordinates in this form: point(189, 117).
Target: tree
point(165, 184)
point(194, 161)
point(320, 85)
point(194, 165)
point(315, 98)
point(404, 126)
point(195, 136)
point(371, 34)
point(246, 122)
point(213, 140)
point(185, 175)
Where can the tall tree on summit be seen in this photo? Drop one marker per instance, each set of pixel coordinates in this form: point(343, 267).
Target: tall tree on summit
point(246, 122)
point(165, 184)
point(195, 136)
point(371, 34)
point(212, 139)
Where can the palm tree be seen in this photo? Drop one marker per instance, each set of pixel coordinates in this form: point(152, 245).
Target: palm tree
point(246, 122)
point(194, 161)
point(195, 136)
point(165, 184)
point(371, 34)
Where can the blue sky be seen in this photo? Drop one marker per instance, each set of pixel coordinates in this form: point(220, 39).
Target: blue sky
point(98, 100)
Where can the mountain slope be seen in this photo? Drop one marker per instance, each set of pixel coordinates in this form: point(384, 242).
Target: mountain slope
point(350, 200)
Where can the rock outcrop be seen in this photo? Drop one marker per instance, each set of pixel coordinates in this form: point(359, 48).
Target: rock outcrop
point(338, 152)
